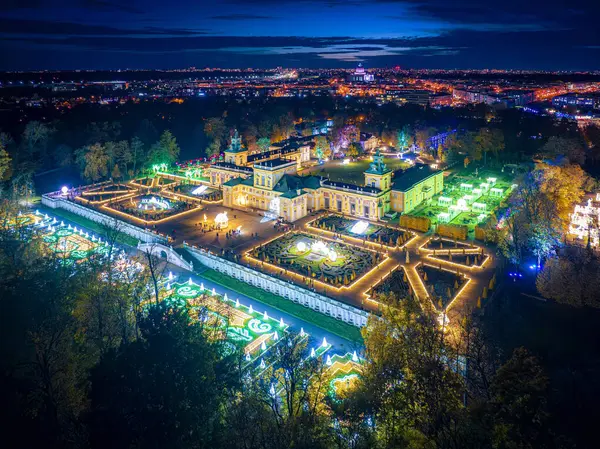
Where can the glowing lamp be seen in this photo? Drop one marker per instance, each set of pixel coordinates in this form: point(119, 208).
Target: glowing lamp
point(332, 255)
point(64, 190)
point(301, 247)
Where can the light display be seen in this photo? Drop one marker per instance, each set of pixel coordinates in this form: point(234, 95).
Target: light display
point(253, 332)
point(154, 202)
point(199, 190)
point(585, 221)
point(221, 220)
point(360, 227)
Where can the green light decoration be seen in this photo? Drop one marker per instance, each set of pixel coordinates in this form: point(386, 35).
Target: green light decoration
point(239, 334)
point(188, 291)
point(243, 327)
point(259, 327)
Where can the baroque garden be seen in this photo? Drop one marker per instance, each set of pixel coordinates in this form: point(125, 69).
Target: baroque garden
point(344, 242)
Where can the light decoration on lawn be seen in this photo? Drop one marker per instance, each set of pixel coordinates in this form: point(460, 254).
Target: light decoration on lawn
point(321, 248)
point(155, 203)
point(199, 190)
point(585, 221)
point(360, 227)
point(346, 161)
point(301, 247)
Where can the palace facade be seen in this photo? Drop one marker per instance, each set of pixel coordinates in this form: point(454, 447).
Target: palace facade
point(273, 185)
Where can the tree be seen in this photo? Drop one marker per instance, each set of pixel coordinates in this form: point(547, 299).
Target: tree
point(5, 161)
point(354, 150)
point(264, 143)
point(164, 390)
point(165, 151)
point(403, 138)
point(422, 136)
point(518, 403)
point(286, 406)
point(215, 130)
point(572, 278)
point(137, 150)
point(487, 140)
point(116, 173)
point(572, 149)
point(93, 161)
point(322, 148)
point(35, 139)
point(414, 392)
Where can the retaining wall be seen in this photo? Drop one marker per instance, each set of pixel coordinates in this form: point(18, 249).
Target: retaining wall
point(297, 294)
point(53, 201)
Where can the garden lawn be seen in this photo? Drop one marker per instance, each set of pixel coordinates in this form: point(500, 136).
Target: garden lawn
point(326, 322)
point(90, 225)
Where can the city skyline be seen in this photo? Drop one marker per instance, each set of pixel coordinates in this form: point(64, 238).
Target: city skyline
point(97, 34)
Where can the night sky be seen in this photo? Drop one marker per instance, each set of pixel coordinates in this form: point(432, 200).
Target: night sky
point(152, 34)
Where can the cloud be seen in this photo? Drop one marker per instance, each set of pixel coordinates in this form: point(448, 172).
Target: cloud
point(240, 17)
point(40, 27)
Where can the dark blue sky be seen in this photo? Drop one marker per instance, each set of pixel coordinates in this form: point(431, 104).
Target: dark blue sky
point(109, 34)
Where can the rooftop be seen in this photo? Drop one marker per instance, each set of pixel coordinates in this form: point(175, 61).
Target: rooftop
point(274, 163)
point(230, 166)
point(412, 176)
point(289, 183)
point(352, 187)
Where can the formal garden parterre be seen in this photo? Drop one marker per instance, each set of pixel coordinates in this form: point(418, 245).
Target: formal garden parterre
point(333, 263)
point(239, 326)
point(395, 282)
point(362, 230)
point(442, 285)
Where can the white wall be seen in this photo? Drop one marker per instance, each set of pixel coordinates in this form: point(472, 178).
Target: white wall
point(157, 249)
point(54, 201)
point(315, 301)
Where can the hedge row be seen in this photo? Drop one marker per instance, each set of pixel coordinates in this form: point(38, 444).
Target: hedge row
point(458, 232)
point(417, 223)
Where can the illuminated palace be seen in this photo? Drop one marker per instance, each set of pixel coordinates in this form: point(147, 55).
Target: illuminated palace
point(272, 185)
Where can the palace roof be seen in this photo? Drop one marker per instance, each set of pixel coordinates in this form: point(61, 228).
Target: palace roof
point(413, 176)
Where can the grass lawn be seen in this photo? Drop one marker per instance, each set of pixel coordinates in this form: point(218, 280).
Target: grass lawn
point(326, 322)
point(90, 225)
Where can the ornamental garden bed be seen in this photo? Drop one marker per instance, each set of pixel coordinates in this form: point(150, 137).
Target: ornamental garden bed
point(441, 244)
point(395, 283)
point(467, 260)
point(334, 263)
point(151, 207)
point(362, 229)
point(241, 328)
point(442, 285)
